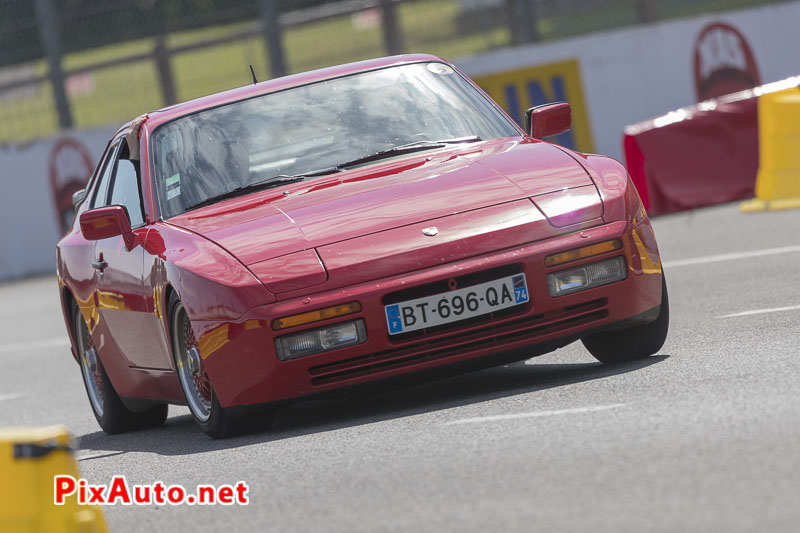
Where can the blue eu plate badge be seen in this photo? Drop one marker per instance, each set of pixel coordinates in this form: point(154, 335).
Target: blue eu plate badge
point(393, 319)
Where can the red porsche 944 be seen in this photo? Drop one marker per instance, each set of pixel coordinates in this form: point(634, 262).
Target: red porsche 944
point(343, 226)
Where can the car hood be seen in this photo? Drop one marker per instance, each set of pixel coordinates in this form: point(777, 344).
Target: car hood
point(387, 195)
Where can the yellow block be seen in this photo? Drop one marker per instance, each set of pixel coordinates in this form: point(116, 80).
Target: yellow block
point(29, 460)
point(778, 180)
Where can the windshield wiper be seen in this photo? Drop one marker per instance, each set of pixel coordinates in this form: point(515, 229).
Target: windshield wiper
point(281, 179)
point(408, 148)
point(274, 181)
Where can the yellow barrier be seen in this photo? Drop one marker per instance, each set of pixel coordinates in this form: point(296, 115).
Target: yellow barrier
point(778, 181)
point(29, 460)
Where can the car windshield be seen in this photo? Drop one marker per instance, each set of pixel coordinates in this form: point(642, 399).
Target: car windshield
point(219, 152)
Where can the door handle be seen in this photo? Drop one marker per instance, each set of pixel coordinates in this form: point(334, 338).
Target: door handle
point(99, 264)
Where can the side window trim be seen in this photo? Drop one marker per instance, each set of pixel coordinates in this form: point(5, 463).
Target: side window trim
point(105, 176)
point(91, 182)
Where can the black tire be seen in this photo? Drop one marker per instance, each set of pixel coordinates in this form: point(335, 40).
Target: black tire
point(111, 414)
point(217, 422)
point(633, 343)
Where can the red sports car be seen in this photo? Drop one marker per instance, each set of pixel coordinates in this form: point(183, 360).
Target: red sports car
point(343, 226)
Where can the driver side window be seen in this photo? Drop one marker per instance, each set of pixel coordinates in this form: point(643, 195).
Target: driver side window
point(125, 190)
point(119, 184)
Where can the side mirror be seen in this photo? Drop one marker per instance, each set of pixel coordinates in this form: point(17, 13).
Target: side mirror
point(548, 119)
point(105, 222)
point(78, 197)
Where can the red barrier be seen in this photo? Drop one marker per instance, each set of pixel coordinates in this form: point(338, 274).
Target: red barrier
point(697, 156)
point(701, 155)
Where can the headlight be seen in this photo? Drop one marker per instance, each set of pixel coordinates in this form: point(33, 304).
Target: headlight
point(587, 276)
point(321, 340)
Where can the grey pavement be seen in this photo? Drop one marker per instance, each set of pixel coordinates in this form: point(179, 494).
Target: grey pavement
point(704, 436)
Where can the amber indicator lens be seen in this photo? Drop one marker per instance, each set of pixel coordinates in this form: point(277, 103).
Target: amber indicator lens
point(582, 253)
point(315, 316)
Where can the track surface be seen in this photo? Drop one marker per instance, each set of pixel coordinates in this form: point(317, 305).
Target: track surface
point(704, 436)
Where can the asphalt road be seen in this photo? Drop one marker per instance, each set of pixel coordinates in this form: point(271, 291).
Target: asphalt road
point(704, 436)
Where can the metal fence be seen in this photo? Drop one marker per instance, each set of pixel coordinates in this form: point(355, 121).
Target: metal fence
point(84, 63)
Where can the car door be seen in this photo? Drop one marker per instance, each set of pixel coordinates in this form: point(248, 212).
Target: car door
point(76, 253)
point(121, 295)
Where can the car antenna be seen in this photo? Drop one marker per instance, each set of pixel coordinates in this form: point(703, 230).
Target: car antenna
point(253, 72)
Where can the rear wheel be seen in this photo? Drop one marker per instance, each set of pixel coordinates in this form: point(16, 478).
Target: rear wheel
point(200, 397)
point(632, 343)
point(107, 406)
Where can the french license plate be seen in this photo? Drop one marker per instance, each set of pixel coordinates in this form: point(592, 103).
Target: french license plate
point(456, 305)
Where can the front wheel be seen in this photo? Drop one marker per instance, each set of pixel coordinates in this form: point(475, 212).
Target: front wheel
point(107, 406)
point(208, 414)
point(633, 343)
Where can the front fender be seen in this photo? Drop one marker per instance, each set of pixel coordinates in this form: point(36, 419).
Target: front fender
point(210, 282)
point(621, 202)
point(620, 198)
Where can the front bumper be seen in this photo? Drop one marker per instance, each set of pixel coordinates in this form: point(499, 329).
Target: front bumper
point(244, 369)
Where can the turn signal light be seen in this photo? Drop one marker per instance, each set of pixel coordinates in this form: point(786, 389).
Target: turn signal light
point(315, 316)
point(582, 253)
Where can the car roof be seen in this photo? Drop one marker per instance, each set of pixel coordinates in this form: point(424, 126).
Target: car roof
point(158, 117)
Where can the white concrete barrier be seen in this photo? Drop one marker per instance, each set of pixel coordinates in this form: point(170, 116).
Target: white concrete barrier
point(38, 179)
point(630, 75)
